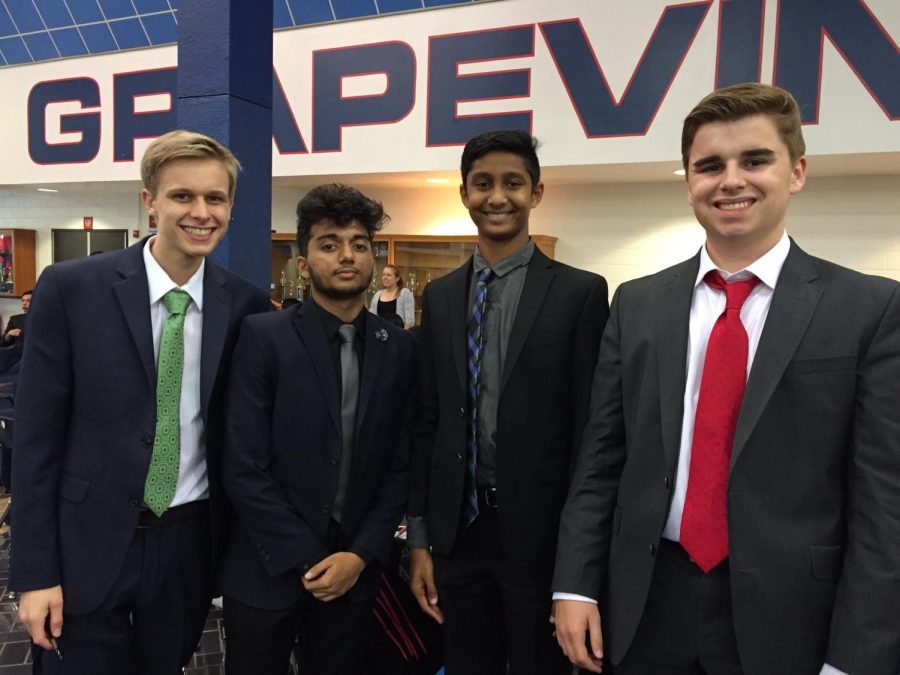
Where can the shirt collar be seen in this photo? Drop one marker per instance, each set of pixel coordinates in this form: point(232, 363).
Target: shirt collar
point(332, 324)
point(766, 268)
point(514, 260)
point(161, 283)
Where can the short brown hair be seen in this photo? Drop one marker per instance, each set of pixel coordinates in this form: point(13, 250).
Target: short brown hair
point(182, 144)
point(743, 100)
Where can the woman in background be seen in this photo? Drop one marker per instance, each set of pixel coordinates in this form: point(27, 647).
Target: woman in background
point(394, 298)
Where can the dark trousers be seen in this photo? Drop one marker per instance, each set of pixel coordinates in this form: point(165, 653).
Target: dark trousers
point(494, 611)
point(687, 626)
point(333, 636)
point(152, 619)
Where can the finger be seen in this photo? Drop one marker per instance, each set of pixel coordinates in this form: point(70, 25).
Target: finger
point(595, 635)
point(431, 589)
point(318, 569)
point(35, 628)
point(56, 618)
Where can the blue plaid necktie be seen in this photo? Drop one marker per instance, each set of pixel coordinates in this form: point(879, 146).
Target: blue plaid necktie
point(474, 342)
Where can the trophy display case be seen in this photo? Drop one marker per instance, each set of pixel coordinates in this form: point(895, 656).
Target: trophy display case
point(17, 262)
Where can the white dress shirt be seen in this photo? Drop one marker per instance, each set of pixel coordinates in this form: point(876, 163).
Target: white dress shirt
point(193, 483)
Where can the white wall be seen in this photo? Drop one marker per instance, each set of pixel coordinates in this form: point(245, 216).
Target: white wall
point(624, 231)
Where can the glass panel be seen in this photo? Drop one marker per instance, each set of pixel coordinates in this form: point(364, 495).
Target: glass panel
point(102, 241)
point(380, 249)
point(286, 281)
point(69, 244)
point(421, 262)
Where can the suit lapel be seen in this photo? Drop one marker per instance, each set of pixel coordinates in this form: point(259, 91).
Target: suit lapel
point(672, 327)
point(312, 334)
point(374, 353)
point(793, 305)
point(216, 315)
point(133, 294)
point(538, 278)
point(458, 310)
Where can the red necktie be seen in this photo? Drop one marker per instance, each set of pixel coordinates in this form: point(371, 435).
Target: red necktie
point(704, 522)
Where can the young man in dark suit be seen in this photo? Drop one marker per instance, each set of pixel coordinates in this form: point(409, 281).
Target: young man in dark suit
point(507, 348)
point(737, 486)
point(15, 327)
point(321, 405)
point(119, 508)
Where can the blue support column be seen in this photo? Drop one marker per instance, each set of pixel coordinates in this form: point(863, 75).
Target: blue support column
point(225, 91)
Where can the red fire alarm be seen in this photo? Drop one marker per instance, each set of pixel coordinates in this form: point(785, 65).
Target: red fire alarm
point(89, 222)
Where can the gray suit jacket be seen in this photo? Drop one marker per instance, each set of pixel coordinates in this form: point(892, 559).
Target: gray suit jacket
point(813, 506)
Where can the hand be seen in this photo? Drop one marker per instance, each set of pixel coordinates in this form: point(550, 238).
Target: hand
point(35, 607)
point(330, 578)
point(574, 618)
point(13, 333)
point(421, 582)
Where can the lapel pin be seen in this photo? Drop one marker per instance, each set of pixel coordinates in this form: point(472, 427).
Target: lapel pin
point(381, 334)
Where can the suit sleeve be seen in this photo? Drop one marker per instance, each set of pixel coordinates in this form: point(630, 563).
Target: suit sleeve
point(43, 407)
point(585, 348)
point(865, 623)
point(373, 304)
point(586, 520)
point(282, 538)
point(376, 534)
point(426, 423)
point(407, 307)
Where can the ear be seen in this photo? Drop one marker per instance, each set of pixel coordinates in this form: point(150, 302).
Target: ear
point(302, 267)
point(798, 176)
point(463, 195)
point(537, 194)
point(149, 201)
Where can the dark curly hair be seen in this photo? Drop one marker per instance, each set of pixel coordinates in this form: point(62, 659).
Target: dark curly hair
point(340, 205)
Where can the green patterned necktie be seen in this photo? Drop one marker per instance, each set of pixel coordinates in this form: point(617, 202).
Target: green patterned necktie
point(162, 477)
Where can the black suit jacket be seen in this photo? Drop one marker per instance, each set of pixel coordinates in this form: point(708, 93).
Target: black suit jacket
point(15, 321)
point(86, 416)
point(545, 388)
point(282, 457)
point(813, 506)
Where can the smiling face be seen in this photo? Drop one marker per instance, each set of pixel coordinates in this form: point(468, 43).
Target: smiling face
point(339, 262)
point(499, 196)
point(192, 208)
point(389, 277)
point(740, 177)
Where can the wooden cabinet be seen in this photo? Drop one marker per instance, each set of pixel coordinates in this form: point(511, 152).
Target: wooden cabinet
point(421, 258)
point(17, 262)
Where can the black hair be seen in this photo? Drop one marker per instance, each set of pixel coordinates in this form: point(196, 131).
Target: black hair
point(339, 205)
point(508, 140)
point(30, 291)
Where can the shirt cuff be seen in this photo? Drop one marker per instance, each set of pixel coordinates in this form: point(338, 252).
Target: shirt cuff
point(573, 596)
point(416, 532)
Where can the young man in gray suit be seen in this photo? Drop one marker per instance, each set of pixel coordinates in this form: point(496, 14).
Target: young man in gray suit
point(735, 508)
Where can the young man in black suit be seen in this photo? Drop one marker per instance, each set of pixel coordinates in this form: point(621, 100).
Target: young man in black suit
point(15, 327)
point(119, 508)
point(743, 510)
point(507, 347)
point(321, 405)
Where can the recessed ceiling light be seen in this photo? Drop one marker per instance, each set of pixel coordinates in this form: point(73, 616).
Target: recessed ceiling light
point(47, 190)
point(437, 181)
point(678, 172)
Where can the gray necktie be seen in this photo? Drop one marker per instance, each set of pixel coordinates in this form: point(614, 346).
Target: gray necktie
point(349, 398)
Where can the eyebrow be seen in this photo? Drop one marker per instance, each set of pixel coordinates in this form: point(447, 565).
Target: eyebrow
point(753, 153)
point(334, 237)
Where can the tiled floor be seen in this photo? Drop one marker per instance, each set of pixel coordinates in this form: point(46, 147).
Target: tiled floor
point(15, 645)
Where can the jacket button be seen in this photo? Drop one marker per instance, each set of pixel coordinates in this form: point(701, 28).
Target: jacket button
point(459, 458)
point(333, 460)
point(146, 441)
point(652, 549)
point(666, 482)
point(326, 509)
point(462, 412)
point(133, 502)
point(267, 558)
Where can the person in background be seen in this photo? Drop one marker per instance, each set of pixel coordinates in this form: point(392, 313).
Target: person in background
point(508, 343)
point(321, 401)
point(119, 509)
point(15, 327)
point(736, 494)
point(394, 298)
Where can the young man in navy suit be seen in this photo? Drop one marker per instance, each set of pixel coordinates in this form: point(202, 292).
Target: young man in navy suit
point(494, 452)
point(321, 404)
point(736, 495)
point(120, 514)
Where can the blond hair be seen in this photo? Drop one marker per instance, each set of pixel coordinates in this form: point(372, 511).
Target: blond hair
point(182, 144)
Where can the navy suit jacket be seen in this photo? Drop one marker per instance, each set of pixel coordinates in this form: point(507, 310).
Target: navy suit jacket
point(283, 451)
point(86, 416)
point(813, 507)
